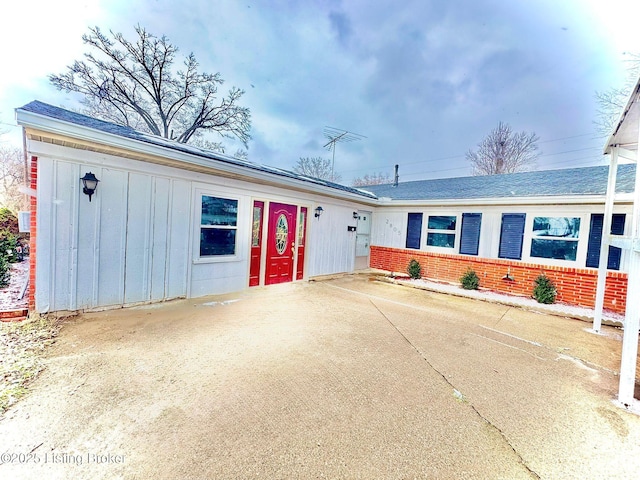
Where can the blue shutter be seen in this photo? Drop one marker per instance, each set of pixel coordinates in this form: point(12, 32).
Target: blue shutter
point(617, 228)
point(511, 236)
point(414, 230)
point(595, 237)
point(470, 233)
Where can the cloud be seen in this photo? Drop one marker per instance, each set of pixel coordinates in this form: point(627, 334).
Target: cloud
point(341, 25)
point(423, 80)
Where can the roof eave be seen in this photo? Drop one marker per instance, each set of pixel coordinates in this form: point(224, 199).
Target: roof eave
point(629, 119)
point(500, 201)
point(64, 128)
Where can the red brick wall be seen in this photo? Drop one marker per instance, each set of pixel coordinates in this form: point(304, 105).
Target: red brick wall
point(576, 286)
point(33, 183)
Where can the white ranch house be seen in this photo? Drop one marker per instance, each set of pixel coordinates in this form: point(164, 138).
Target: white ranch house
point(168, 220)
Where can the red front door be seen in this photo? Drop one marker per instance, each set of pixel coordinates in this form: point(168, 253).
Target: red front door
point(280, 243)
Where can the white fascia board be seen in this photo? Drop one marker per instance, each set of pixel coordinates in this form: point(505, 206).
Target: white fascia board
point(539, 200)
point(87, 134)
point(613, 139)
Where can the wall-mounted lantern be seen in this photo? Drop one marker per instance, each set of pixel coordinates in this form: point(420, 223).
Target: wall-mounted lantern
point(319, 211)
point(90, 183)
point(356, 216)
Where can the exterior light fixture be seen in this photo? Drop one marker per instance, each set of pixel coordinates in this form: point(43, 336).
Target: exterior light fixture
point(356, 216)
point(89, 184)
point(319, 211)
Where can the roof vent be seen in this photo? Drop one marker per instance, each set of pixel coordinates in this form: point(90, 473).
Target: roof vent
point(395, 177)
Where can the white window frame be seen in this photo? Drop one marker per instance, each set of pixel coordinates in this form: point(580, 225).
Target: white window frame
point(582, 239)
point(455, 232)
point(236, 256)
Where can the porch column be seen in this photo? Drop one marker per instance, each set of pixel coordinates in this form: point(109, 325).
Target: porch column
point(604, 242)
point(632, 312)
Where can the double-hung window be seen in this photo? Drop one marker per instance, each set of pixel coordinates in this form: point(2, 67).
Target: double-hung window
point(555, 237)
point(441, 231)
point(218, 226)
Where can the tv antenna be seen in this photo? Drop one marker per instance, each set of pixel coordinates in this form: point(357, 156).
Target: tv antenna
point(336, 135)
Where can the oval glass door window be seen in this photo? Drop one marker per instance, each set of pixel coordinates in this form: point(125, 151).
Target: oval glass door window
point(282, 233)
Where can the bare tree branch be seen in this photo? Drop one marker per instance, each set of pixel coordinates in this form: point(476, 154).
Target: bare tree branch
point(504, 151)
point(134, 84)
point(12, 178)
point(374, 179)
point(316, 167)
point(612, 101)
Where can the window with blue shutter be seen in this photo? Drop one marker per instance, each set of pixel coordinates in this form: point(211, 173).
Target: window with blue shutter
point(414, 230)
point(511, 235)
point(470, 233)
point(595, 237)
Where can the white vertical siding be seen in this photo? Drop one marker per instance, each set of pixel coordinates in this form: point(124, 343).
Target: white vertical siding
point(331, 248)
point(389, 228)
point(178, 238)
point(107, 241)
point(138, 251)
point(138, 239)
point(128, 245)
point(159, 235)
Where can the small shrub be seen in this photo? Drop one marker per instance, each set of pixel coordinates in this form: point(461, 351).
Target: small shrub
point(8, 246)
point(470, 280)
point(414, 269)
point(5, 271)
point(544, 290)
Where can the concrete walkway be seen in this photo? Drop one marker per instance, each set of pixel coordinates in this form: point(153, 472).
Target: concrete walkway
point(342, 378)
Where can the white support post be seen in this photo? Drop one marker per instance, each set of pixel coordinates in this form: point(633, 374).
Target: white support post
point(604, 243)
point(632, 313)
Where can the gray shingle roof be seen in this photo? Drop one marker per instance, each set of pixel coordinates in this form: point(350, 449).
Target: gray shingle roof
point(567, 182)
point(572, 181)
point(68, 116)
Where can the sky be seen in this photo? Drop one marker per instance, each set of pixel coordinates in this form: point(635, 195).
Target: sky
point(422, 81)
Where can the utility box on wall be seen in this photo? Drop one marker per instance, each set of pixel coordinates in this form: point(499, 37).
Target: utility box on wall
point(24, 222)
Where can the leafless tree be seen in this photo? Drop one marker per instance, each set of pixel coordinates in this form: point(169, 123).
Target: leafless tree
point(374, 179)
point(316, 167)
point(504, 151)
point(134, 83)
point(612, 101)
point(12, 178)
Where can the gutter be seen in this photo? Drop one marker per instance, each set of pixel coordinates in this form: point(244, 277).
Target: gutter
point(537, 200)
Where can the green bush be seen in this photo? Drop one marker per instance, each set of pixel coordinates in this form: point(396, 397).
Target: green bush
point(8, 246)
point(5, 271)
point(470, 280)
point(414, 269)
point(544, 290)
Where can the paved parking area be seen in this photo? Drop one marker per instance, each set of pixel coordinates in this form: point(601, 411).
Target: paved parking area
point(342, 378)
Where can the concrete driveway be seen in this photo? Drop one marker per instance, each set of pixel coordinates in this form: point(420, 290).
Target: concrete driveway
point(343, 378)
